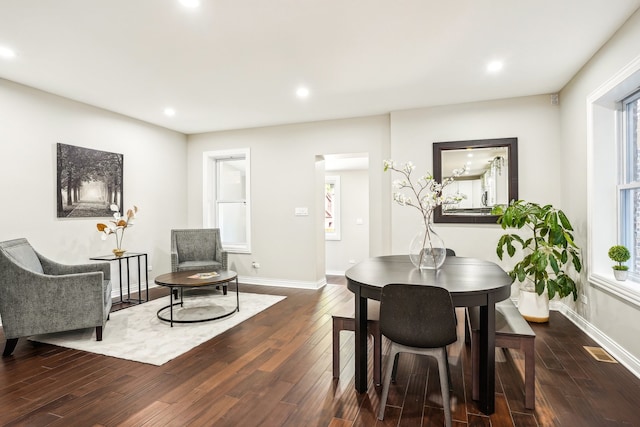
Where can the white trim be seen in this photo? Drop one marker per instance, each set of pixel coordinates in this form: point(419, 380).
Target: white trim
point(115, 290)
point(625, 358)
point(334, 273)
point(208, 192)
point(603, 120)
point(242, 280)
point(283, 283)
point(622, 290)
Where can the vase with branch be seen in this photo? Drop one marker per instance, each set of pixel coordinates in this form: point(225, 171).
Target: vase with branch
point(117, 227)
point(427, 250)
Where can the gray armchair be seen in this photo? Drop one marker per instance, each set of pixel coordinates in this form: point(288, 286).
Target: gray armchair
point(40, 296)
point(197, 249)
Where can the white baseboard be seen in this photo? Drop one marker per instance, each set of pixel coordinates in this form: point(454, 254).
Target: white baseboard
point(115, 291)
point(334, 273)
point(625, 358)
point(249, 280)
point(283, 283)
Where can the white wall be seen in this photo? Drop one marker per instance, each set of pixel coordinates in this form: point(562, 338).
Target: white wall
point(533, 120)
point(32, 122)
point(290, 249)
point(353, 246)
point(606, 315)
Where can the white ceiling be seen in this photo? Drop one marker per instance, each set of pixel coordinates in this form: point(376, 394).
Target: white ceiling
point(237, 63)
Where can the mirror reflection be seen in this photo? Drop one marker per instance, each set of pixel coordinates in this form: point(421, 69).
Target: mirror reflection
point(485, 182)
point(490, 179)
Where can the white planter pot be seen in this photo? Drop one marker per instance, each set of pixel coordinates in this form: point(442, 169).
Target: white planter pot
point(534, 307)
point(620, 274)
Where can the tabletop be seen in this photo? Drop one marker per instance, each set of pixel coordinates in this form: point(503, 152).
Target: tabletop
point(182, 278)
point(463, 277)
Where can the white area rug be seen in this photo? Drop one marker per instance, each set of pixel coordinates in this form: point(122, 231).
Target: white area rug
point(137, 334)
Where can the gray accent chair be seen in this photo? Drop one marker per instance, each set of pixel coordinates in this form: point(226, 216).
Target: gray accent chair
point(40, 296)
point(197, 249)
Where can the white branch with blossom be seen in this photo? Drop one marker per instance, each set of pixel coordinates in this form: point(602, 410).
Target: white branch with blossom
point(426, 191)
point(425, 194)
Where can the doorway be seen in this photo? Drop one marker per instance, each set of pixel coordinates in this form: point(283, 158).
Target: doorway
point(346, 211)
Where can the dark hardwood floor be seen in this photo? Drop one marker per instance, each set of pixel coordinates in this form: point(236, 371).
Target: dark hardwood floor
point(275, 370)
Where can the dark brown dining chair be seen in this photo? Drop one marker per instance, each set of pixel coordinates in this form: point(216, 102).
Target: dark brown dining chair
point(418, 319)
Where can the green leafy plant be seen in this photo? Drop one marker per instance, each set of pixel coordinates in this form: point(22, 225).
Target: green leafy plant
point(619, 254)
point(547, 253)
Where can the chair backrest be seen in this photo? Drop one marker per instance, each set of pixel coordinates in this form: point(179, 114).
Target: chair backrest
point(20, 252)
point(196, 244)
point(417, 315)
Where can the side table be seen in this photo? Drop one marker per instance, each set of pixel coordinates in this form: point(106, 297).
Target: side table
point(126, 257)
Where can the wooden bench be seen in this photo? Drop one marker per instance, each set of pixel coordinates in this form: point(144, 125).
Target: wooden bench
point(348, 323)
point(512, 331)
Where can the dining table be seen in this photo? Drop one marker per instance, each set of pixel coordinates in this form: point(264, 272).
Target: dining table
point(470, 281)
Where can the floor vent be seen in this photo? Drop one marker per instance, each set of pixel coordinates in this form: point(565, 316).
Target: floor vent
point(600, 354)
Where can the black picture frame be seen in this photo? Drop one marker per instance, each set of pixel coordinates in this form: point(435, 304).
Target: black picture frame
point(88, 182)
point(512, 161)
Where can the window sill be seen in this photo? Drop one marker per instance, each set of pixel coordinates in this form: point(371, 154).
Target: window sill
point(627, 290)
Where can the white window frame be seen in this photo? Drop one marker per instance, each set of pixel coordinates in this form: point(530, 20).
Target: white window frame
point(335, 180)
point(605, 162)
point(625, 184)
point(210, 188)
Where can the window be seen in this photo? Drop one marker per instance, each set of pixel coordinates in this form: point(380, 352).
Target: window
point(629, 186)
point(226, 199)
point(613, 173)
point(332, 208)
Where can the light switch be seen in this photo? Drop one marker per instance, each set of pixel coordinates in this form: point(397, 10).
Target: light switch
point(302, 211)
point(359, 221)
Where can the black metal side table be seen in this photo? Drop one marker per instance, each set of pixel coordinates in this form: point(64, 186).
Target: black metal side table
point(126, 257)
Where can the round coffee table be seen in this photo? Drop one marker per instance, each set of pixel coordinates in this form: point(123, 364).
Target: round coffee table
point(179, 281)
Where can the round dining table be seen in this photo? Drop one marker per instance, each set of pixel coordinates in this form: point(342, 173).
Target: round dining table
point(471, 282)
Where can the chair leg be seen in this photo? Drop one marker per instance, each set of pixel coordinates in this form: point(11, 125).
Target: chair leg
point(475, 361)
point(394, 371)
point(393, 357)
point(98, 333)
point(443, 370)
point(9, 346)
point(374, 331)
point(337, 327)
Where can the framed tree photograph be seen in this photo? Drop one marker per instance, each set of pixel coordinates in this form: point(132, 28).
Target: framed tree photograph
point(88, 182)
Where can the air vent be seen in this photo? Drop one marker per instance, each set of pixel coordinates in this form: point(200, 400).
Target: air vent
point(600, 354)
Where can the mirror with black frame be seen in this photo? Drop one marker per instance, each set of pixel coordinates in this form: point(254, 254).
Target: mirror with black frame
point(490, 179)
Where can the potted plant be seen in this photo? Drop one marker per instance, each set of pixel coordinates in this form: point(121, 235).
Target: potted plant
point(547, 255)
point(620, 254)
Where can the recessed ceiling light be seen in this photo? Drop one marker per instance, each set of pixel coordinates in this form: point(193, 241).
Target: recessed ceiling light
point(5, 52)
point(170, 112)
point(302, 92)
point(495, 66)
point(190, 3)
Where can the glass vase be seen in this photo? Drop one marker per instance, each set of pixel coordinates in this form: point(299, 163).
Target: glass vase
point(427, 250)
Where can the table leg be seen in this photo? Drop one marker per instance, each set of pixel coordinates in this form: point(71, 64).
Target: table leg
point(120, 275)
point(487, 356)
point(146, 274)
point(361, 342)
point(128, 282)
point(139, 283)
point(171, 305)
point(237, 295)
